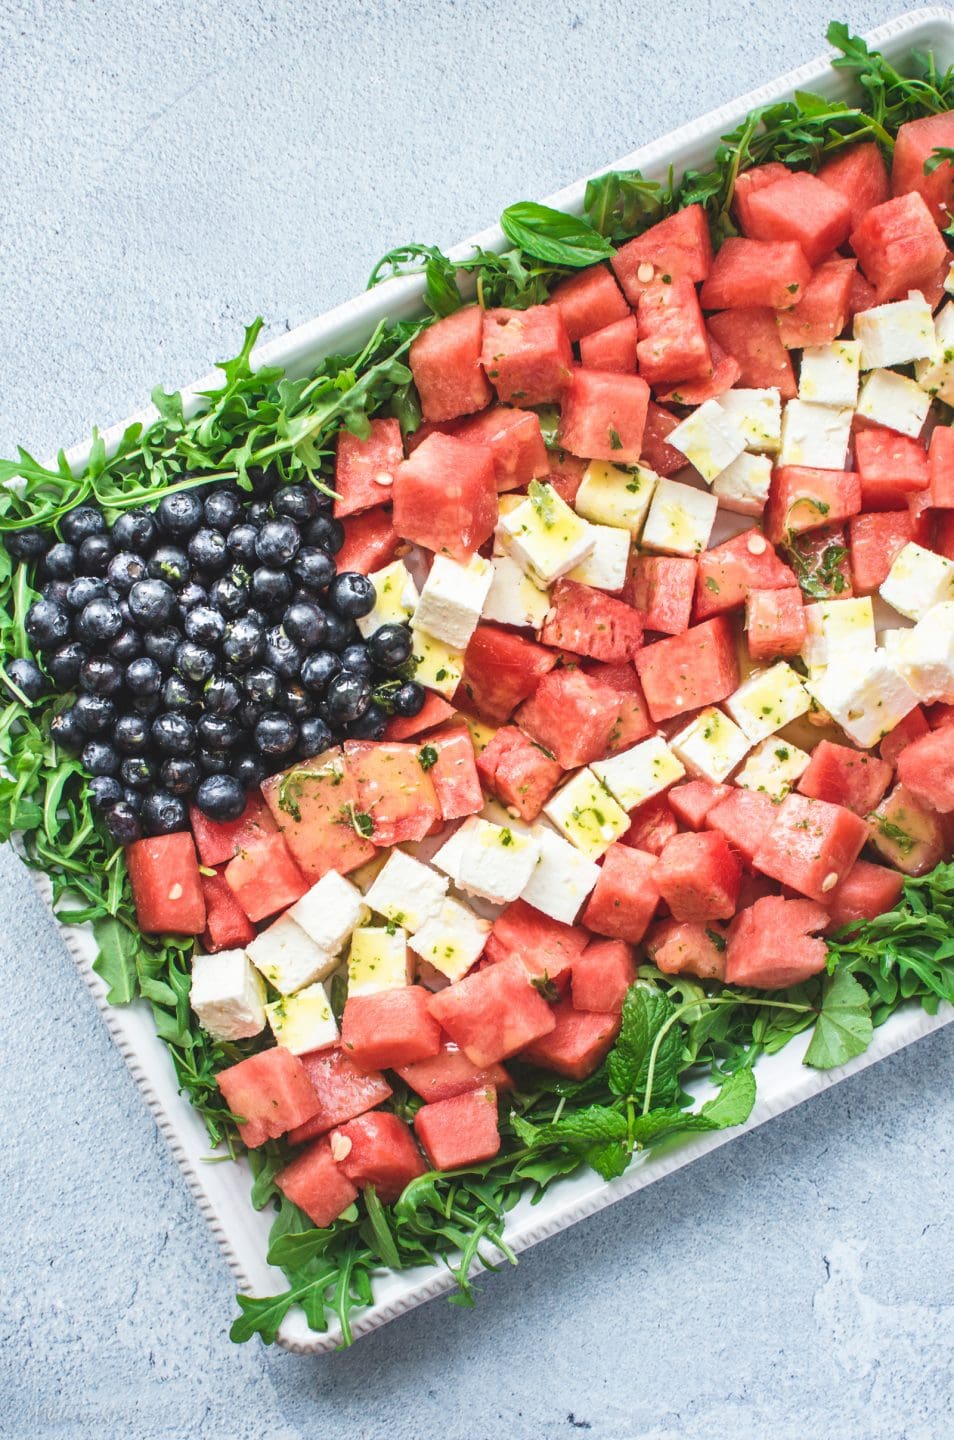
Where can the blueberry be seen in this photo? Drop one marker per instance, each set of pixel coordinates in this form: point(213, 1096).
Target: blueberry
point(133, 798)
point(100, 758)
point(408, 699)
point(347, 697)
point(100, 676)
point(371, 725)
point(179, 774)
point(80, 523)
point(313, 568)
point(222, 509)
point(297, 702)
point(282, 654)
point(95, 554)
point(314, 736)
point(262, 685)
point(27, 677)
point(152, 603)
point(104, 791)
point(271, 587)
point(305, 623)
point(98, 622)
point(192, 595)
point(123, 824)
point(276, 734)
point(147, 705)
point(340, 633)
point(163, 814)
point(213, 762)
point(241, 542)
point(66, 730)
point(125, 569)
point(179, 514)
point(178, 694)
point(28, 544)
point(173, 733)
point(132, 734)
point(298, 502)
point(64, 664)
point(218, 732)
point(278, 542)
point(390, 646)
point(208, 550)
point(221, 695)
point(162, 645)
point(60, 561)
point(249, 769)
point(205, 625)
point(194, 662)
point(352, 595)
point(94, 713)
point(144, 676)
point(134, 530)
point(244, 642)
point(137, 772)
point(47, 624)
point(169, 563)
point(356, 659)
point(85, 588)
point(229, 594)
point(257, 513)
point(317, 670)
point(221, 797)
point(324, 533)
point(57, 591)
point(126, 646)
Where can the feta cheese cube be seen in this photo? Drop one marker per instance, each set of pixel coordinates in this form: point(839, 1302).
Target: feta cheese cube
point(610, 495)
point(562, 878)
point(544, 535)
point(605, 566)
point(437, 666)
point(894, 401)
point(710, 746)
point(496, 861)
point(303, 1022)
point(744, 486)
point(227, 995)
point(897, 333)
point(447, 858)
point(584, 811)
point(453, 940)
point(396, 596)
point(680, 519)
point(815, 435)
point(865, 696)
point(936, 375)
point(287, 957)
point(514, 597)
point(758, 414)
point(506, 505)
point(452, 599)
point(329, 911)
point(918, 580)
point(407, 892)
point(767, 701)
point(829, 373)
point(835, 628)
point(709, 438)
point(635, 775)
point(773, 767)
point(378, 960)
point(924, 655)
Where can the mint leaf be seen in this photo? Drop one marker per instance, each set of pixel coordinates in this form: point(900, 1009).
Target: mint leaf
point(733, 1104)
point(843, 1028)
point(609, 1160)
point(628, 1055)
point(592, 1125)
point(668, 1120)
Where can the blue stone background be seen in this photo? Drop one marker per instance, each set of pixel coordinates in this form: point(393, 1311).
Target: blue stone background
point(170, 170)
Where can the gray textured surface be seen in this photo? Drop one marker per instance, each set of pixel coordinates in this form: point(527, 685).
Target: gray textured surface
point(171, 169)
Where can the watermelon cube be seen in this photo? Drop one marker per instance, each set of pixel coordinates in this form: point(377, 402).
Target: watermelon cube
point(651, 826)
point(890, 466)
point(863, 295)
point(660, 456)
point(393, 788)
point(775, 943)
point(916, 141)
point(625, 899)
point(364, 469)
point(434, 711)
point(688, 947)
point(774, 622)
point(692, 801)
point(378, 1149)
point(663, 587)
point(729, 571)
point(572, 716)
point(866, 892)
point(686, 672)
point(603, 416)
point(799, 207)
point(874, 542)
point(673, 342)
point(389, 1028)
point(824, 309)
point(750, 182)
point(589, 301)
point(941, 467)
point(751, 273)
point(492, 1013)
point(218, 840)
point(578, 1043)
point(342, 1089)
point(445, 496)
point(370, 542)
point(266, 878)
point(454, 773)
point(844, 776)
point(698, 876)
point(317, 1185)
point(526, 354)
point(822, 557)
point(944, 534)
point(515, 441)
point(679, 246)
point(314, 805)
point(602, 975)
point(612, 348)
point(227, 927)
point(899, 246)
point(166, 884)
point(912, 727)
point(811, 846)
point(445, 363)
point(804, 499)
point(725, 373)
point(460, 1131)
point(590, 622)
point(566, 475)
point(450, 1073)
point(908, 833)
point(752, 337)
point(502, 669)
point(518, 771)
point(926, 769)
point(632, 722)
point(745, 817)
point(543, 945)
point(859, 175)
point(270, 1093)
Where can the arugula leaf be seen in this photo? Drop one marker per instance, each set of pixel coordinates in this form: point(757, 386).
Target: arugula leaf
point(116, 961)
point(843, 1028)
point(554, 236)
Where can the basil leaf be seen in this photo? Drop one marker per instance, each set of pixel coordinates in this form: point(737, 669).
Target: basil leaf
point(552, 236)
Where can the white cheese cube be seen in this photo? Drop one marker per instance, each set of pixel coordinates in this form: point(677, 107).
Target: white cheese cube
point(378, 960)
point(329, 911)
point(936, 375)
point(835, 628)
point(680, 519)
point(396, 596)
point(452, 599)
point(496, 861)
point(829, 373)
point(562, 877)
point(949, 282)
point(918, 580)
point(709, 438)
point(287, 957)
point(710, 746)
point(815, 435)
point(924, 655)
point(605, 566)
point(514, 597)
point(506, 505)
point(773, 767)
point(407, 892)
point(894, 401)
point(897, 333)
point(637, 774)
point(758, 414)
point(586, 813)
point(437, 666)
point(610, 495)
point(744, 486)
point(767, 701)
point(447, 858)
point(866, 697)
point(453, 940)
point(303, 1022)
point(544, 535)
point(227, 995)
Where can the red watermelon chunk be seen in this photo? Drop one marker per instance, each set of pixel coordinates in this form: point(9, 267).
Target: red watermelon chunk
point(342, 1089)
point(899, 246)
point(660, 456)
point(916, 141)
point(866, 892)
point(578, 1043)
point(518, 771)
point(804, 499)
point(692, 801)
point(589, 301)
point(745, 817)
point(907, 832)
point(460, 1131)
point(378, 1149)
point(844, 776)
point(698, 876)
point(875, 541)
point(809, 843)
point(526, 354)
point(572, 716)
point(612, 348)
point(227, 927)
point(626, 896)
point(822, 558)
point(364, 469)
point(434, 711)
point(370, 542)
point(686, 672)
point(824, 309)
point(265, 877)
point(445, 363)
point(389, 1028)
point(926, 769)
point(492, 1013)
point(450, 1073)
point(800, 207)
point(590, 622)
point(941, 467)
point(454, 773)
point(729, 571)
point(688, 947)
point(314, 805)
point(725, 373)
point(859, 175)
point(943, 541)
point(651, 826)
point(543, 945)
point(270, 1092)
point(673, 343)
point(500, 670)
point(393, 788)
point(663, 587)
point(632, 722)
point(775, 944)
point(566, 475)
point(750, 182)
point(752, 336)
point(317, 1185)
point(890, 466)
point(863, 295)
point(603, 416)
point(166, 884)
point(679, 246)
point(912, 727)
point(516, 444)
point(775, 622)
point(218, 840)
point(445, 496)
point(602, 975)
point(751, 273)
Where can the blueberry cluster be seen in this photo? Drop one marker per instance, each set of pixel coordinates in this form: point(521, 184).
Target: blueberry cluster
point(207, 643)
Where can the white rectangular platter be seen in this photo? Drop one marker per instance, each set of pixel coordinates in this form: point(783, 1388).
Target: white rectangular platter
point(222, 1190)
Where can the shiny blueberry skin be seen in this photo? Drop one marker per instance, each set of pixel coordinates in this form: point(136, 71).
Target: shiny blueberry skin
point(276, 734)
point(57, 591)
point(352, 595)
point(152, 603)
point(356, 659)
point(248, 768)
point(94, 555)
point(66, 730)
point(95, 714)
point(271, 587)
point(408, 699)
point(244, 643)
point(305, 623)
point(339, 633)
point(221, 797)
point(104, 791)
point(194, 662)
point(221, 695)
point(314, 736)
point(229, 594)
point(179, 514)
point(100, 758)
point(257, 513)
point(85, 588)
point(78, 524)
point(278, 542)
point(147, 705)
point(241, 542)
point(162, 645)
point(262, 685)
point(61, 561)
point(178, 694)
point(313, 568)
point(191, 595)
point(169, 563)
point(179, 774)
point(125, 569)
point(144, 676)
point(27, 544)
point(347, 697)
point(126, 646)
point(208, 550)
point(324, 533)
point(371, 725)
point(213, 762)
point(298, 502)
point(98, 622)
point(390, 646)
point(64, 664)
point(297, 702)
point(282, 654)
point(218, 732)
point(173, 733)
point(100, 676)
point(137, 772)
point(162, 813)
point(123, 823)
point(47, 624)
point(133, 798)
point(205, 625)
point(222, 509)
point(28, 678)
point(134, 530)
point(318, 669)
point(132, 734)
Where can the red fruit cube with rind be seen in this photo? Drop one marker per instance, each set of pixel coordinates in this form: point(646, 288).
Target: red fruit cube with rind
point(266, 877)
point(691, 802)
point(747, 274)
point(317, 1185)
point(494, 1012)
point(370, 542)
point(858, 173)
point(915, 144)
point(526, 354)
point(445, 363)
point(342, 1089)
point(811, 846)
point(775, 622)
point(698, 876)
point(874, 541)
point(460, 1131)
point(166, 884)
point(227, 927)
point(578, 1043)
point(543, 945)
point(926, 769)
point(434, 711)
point(515, 441)
point(686, 672)
point(729, 571)
point(752, 336)
point(866, 892)
point(502, 669)
point(750, 182)
point(602, 975)
point(744, 817)
point(725, 373)
point(912, 727)
point(314, 805)
point(518, 771)
point(775, 944)
point(941, 467)
point(589, 301)
point(799, 207)
point(825, 308)
point(843, 776)
point(612, 348)
point(673, 342)
point(378, 1149)
point(651, 826)
point(890, 466)
point(389, 1028)
point(218, 840)
point(688, 947)
point(658, 454)
point(898, 246)
point(625, 898)
point(803, 499)
point(662, 591)
point(572, 715)
point(679, 246)
point(566, 475)
point(603, 416)
point(450, 1073)
point(270, 1092)
point(364, 469)
point(590, 622)
point(445, 496)
point(454, 773)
